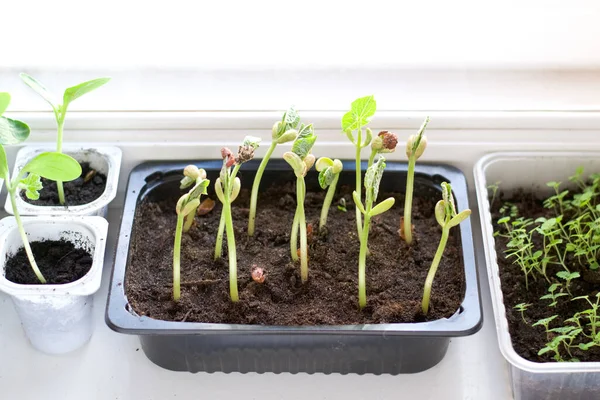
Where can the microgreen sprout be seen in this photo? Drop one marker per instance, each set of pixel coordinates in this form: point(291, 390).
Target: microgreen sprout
point(415, 146)
point(494, 188)
point(60, 109)
point(282, 132)
point(369, 210)
point(186, 209)
point(553, 295)
point(53, 166)
point(342, 205)
point(360, 114)
point(227, 188)
point(446, 216)
point(329, 173)
point(568, 277)
point(521, 307)
point(301, 161)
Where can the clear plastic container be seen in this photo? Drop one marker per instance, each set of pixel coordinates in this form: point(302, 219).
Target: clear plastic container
point(56, 318)
point(104, 159)
point(531, 171)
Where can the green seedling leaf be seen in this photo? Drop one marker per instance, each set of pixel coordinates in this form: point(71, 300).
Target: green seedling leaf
point(304, 142)
point(537, 254)
point(4, 101)
point(545, 321)
point(32, 185)
point(77, 91)
point(199, 189)
point(12, 131)
point(567, 276)
point(358, 203)
point(382, 207)
point(40, 89)
point(586, 346)
point(54, 166)
point(361, 112)
point(190, 206)
point(326, 177)
point(504, 220)
point(373, 177)
point(291, 119)
point(4, 173)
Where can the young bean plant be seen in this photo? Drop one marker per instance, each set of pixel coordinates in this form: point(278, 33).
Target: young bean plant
point(301, 161)
point(60, 109)
point(283, 131)
point(415, 146)
point(369, 209)
point(227, 188)
point(53, 166)
point(329, 174)
point(446, 216)
point(186, 209)
point(355, 120)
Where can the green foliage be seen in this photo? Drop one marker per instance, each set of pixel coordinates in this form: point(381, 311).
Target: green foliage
point(32, 184)
point(360, 114)
point(304, 142)
point(4, 101)
point(54, 166)
point(522, 307)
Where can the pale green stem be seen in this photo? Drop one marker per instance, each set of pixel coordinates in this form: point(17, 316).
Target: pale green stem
point(300, 189)
point(233, 288)
point(59, 184)
point(327, 202)
point(408, 198)
point(189, 220)
point(433, 269)
point(176, 259)
point(294, 237)
point(219, 244)
point(371, 158)
point(358, 180)
point(13, 202)
point(362, 264)
point(255, 186)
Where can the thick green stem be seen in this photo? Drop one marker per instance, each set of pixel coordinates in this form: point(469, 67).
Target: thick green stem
point(358, 179)
point(219, 244)
point(233, 288)
point(433, 269)
point(13, 202)
point(327, 202)
point(59, 140)
point(362, 264)
point(294, 237)
point(189, 220)
point(176, 259)
point(408, 198)
point(300, 189)
point(256, 185)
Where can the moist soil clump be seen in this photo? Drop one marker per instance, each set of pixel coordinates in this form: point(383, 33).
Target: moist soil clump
point(395, 272)
point(58, 260)
point(83, 190)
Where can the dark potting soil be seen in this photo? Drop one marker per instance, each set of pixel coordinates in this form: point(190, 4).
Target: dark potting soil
point(83, 190)
point(528, 340)
point(58, 260)
point(395, 272)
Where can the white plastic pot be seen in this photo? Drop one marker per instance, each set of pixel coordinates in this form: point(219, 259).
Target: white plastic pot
point(106, 160)
point(531, 171)
point(56, 318)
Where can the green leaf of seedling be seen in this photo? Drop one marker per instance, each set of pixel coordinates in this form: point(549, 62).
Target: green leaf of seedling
point(54, 166)
point(504, 220)
point(361, 112)
point(40, 89)
point(544, 321)
point(553, 184)
point(373, 177)
point(358, 203)
point(199, 189)
point(304, 142)
point(460, 217)
point(586, 346)
point(567, 276)
point(544, 351)
point(32, 184)
point(537, 254)
point(326, 176)
point(382, 207)
point(553, 287)
point(291, 119)
point(4, 173)
point(4, 101)
point(77, 91)
point(12, 131)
